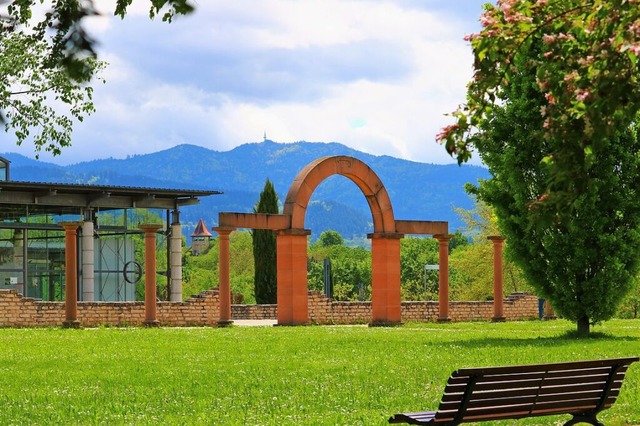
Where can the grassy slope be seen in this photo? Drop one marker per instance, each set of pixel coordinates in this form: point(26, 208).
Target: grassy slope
point(278, 375)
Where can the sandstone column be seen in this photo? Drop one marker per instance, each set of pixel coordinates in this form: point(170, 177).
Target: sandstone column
point(224, 277)
point(443, 277)
point(150, 290)
point(498, 283)
point(71, 274)
point(292, 294)
point(385, 278)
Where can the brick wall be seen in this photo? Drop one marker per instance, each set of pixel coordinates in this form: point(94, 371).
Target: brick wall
point(518, 306)
point(203, 310)
point(18, 311)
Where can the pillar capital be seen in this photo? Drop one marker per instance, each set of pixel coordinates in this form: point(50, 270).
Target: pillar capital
point(150, 227)
point(385, 235)
point(496, 238)
point(224, 230)
point(70, 226)
point(293, 232)
point(443, 238)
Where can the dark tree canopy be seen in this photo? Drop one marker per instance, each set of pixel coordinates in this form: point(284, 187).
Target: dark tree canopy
point(584, 259)
point(264, 249)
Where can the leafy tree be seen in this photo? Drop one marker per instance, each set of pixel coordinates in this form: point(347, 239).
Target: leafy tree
point(471, 265)
point(200, 273)
point(264, 249)
point(330, 238)
point(417, 282)
point(586, 70)
point(46, 67)
point(350, 267)
point(584, 259)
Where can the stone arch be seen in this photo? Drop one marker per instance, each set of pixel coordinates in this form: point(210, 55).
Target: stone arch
point(358, 172)
point(291, 243)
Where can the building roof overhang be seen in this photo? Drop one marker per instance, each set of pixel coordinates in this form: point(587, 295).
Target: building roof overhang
point(59, 198)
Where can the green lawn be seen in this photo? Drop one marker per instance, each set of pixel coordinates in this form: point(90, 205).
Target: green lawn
point(277, 375)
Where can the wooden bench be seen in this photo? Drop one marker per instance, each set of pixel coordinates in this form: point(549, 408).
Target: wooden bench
point(582, 389)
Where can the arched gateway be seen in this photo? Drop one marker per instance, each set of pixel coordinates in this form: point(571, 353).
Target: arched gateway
point(291, 240)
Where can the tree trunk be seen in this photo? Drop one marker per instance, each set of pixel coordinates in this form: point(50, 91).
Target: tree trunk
point(583, 326)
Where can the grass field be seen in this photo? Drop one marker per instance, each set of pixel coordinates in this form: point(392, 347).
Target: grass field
point(278, 375)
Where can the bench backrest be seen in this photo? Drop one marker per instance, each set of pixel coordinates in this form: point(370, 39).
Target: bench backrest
point(474, 394)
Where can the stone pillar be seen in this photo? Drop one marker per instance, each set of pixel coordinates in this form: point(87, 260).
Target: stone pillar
point(88, 267)
point(175, 249)
point(549, 314)
point(385, 279)
point(498, 283)
point(224, 276)
point(150, 290)
point(71, 274)
point(443, 277)
point(292, 294)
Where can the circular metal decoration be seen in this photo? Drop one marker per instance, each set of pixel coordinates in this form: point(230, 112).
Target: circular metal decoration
point(132, 267)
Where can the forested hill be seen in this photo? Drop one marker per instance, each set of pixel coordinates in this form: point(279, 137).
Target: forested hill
point(418, 191)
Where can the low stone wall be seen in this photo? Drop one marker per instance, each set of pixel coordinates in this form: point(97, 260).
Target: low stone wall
point(18, 311)
point(203, 310)
point(254, 312)
point(322, 310)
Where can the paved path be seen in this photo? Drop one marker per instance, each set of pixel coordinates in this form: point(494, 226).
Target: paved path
point(254, 323)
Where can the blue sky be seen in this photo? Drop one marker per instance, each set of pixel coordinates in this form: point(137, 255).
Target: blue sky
point(376, 75)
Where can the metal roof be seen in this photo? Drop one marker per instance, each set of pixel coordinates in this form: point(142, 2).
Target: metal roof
point(53, 197)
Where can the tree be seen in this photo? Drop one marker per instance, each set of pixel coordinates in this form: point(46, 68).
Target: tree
point(418, 282)
point(584, 259)
point(264, 249)
point(47, 65)
point(330, 238)
point(586, 69)
point(471, 265)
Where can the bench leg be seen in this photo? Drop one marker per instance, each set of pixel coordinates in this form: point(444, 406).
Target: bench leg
point(584, 418)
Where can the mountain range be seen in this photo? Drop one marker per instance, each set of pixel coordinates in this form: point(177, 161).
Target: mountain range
point(418, 191)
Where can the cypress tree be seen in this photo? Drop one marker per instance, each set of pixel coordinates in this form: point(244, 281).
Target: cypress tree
point(264, 249)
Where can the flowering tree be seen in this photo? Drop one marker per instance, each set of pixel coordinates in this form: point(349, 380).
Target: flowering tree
point(553, 110)
point(588, 71)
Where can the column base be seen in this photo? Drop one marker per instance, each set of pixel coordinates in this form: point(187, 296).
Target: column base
point(498, 319)
point(549, 317)
point(224, 323)
point(71, 324)
point(444, 319)
point(152, 323)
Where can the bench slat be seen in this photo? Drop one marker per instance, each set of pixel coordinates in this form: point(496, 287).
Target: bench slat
point(503, 393)
point(482, 371)
point(577, 382)
point(532, 400)
point(597, 372)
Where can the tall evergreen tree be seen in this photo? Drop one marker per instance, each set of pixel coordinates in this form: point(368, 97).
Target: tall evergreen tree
point(264, 249)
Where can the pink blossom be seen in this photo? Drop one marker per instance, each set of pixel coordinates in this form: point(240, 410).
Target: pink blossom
point(487, 20)
point(550, 98)
point(548, 38)
point(446, 132)
point(582, 94)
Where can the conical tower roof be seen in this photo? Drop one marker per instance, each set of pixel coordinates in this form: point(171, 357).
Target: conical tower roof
point(201, 230)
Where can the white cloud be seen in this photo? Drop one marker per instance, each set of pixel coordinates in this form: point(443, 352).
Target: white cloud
point(375, 75)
